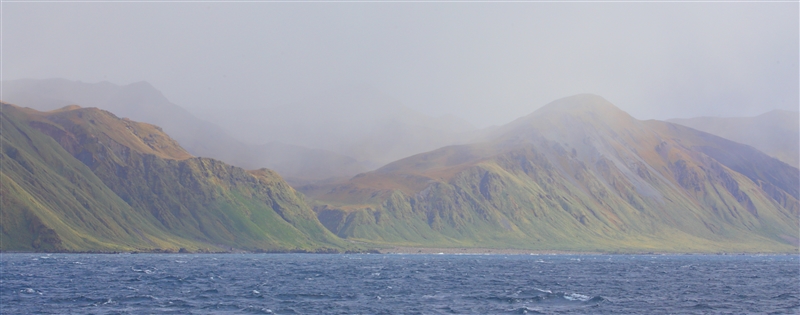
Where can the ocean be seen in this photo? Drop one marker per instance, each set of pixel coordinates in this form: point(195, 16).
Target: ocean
point(398, 284)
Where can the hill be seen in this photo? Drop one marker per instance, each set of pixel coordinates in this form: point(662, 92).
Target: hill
point(142, 102)
point(776, 133)
point(576, 174)
point(82, 179)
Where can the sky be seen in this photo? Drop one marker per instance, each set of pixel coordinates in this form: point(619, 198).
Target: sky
point(487, 63)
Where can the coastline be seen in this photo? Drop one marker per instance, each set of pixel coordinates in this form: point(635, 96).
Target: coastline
point(477, 251)
point(404, 250)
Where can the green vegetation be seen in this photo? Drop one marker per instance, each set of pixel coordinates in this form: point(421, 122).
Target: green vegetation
point(84, 180)
point(578, 174)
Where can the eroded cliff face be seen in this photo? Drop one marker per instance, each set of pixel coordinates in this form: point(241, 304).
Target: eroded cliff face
point(578, 174)
point(131, 187)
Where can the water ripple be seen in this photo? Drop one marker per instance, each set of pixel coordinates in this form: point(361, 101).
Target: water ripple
point(391, 284)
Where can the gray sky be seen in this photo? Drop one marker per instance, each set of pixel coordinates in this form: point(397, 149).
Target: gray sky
point(488, 63)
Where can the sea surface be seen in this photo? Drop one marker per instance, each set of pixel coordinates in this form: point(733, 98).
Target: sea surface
point(397, 284)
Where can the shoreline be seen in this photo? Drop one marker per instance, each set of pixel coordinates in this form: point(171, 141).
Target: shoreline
point(477, 251)
point(400, 250)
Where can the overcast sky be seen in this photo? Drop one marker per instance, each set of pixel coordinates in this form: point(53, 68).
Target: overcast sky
point(488, 63)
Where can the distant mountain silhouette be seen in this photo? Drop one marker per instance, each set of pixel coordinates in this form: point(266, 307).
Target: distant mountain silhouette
point(776, 133)
point(357, 121)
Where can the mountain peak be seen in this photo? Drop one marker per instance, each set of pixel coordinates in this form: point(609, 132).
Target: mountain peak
point(580, 103)
point(584, 109)
point(567, 115)
point(69, 107)
point(141, 86)
point(91, 124)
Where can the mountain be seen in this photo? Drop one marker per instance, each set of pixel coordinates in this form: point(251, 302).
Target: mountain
point(357, 121)
point(82, 179)
point(142, 102)
point(577, 174)
point(776, 133)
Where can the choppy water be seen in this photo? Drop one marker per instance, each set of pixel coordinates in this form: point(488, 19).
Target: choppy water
point(397, 284)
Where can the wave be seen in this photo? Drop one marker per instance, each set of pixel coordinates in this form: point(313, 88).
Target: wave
point(545, 297)
point(526, 310)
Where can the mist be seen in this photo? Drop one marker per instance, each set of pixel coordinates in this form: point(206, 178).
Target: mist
point(236, 64)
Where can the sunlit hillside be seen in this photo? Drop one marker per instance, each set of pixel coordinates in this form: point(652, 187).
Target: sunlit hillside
point(82, 179)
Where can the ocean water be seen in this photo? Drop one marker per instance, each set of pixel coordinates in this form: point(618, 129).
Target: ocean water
point(397, 284)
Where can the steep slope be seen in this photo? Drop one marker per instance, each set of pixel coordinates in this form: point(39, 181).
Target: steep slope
point(51, 201)
point(142, 102)
point(137, 189)
point(776, 133)
point(576, 174)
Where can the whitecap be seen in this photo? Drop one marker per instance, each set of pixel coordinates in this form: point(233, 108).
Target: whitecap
point(525, 310)
point(576, 297)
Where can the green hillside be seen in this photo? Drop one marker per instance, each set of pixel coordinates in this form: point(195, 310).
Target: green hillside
point(578, 174)
point(81, 179)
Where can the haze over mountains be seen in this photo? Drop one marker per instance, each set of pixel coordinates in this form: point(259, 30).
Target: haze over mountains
point(357, 121)
point(776, 133)
point(330, 135)
point(576, 174)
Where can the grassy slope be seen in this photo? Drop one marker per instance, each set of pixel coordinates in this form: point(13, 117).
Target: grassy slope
point(51, 201)
point(575, 177)
point(138, 189)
